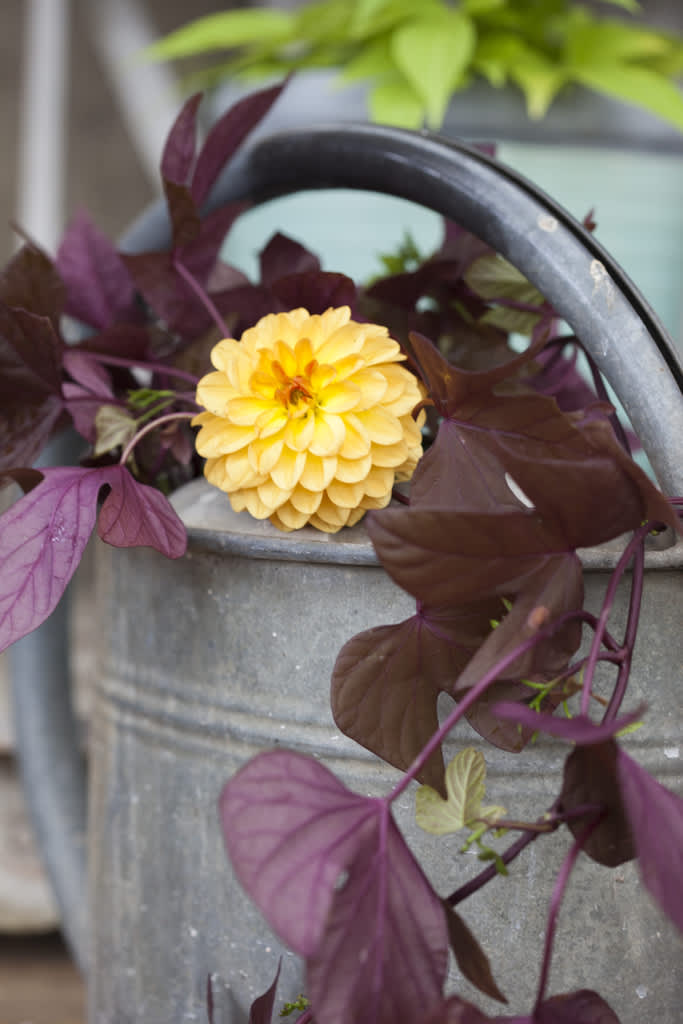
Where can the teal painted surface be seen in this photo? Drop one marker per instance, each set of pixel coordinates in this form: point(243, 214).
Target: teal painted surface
point(637, 198)
point(638, 203)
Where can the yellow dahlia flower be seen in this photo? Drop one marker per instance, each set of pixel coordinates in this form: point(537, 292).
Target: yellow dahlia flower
point(308, 419)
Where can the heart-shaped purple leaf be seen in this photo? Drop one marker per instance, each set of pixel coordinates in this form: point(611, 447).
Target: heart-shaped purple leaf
point(136, 515)
point(334, 878)
point(656, 818)
point(99, 288)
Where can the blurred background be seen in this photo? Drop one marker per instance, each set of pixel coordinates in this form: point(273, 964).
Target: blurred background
point(102, 156)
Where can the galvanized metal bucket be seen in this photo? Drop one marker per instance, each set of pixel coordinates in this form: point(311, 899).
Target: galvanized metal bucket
point(229, 651)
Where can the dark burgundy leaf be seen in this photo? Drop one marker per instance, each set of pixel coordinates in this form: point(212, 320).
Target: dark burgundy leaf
point(171, 298)
point(656, 818)
point(590, 778)
point(386, 681)
point(283, 256)
point(578, 729)
point(226, 136)
point(315, 291)
point(87, 371)
point(30, 281)
point(334, 878)
point(30, 355)
point(469, 955)
point(99, 288)
point(178, 157)
point(584, 1007)
point(261, 1011)
point(185, 220)
point(125, 341)
point(249, 302)
point(135, 515)
point(25, 428)
point(200, 255)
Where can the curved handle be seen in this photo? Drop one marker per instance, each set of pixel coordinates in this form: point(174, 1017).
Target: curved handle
point(565, 262)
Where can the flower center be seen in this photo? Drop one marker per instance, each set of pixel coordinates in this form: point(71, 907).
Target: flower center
point(296, 391)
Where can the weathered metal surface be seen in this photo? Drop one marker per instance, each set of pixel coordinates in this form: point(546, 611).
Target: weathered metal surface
point(217, 656)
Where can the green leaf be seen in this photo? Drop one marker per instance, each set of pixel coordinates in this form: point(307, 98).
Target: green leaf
point(223, 31)
point(370, 17)
point(493, 277)
point(608, 42)
point(640, 86)
point(394, 102)
point(372, 61)
point(628, 5)
point(433, 54)
point(465, 786)
point(115, 427)
point(512, 321)
point(476, 7)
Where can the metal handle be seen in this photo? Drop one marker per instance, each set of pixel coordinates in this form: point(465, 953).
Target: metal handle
point(568, 266)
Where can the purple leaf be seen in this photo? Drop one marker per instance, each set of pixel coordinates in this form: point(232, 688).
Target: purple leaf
point(42, 538)
point(283, 256)
point(470, 957)
point(591, 781)
point(177, 159)
point(136, 515)
point(386, 681)
point(579, 729)
point(334, 878)
point(226, 135)
point(99, 288)
point(456, 1011)
point(44, 534)
point(261, 1011)
point(584, 1007)
point(30, 281)
point(316, 291)
point(656, 818)
point(30, 355)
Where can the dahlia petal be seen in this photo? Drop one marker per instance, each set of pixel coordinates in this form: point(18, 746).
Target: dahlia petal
point(347, 367)
point(214, 391)
point(248, 500)
point(284, 355)
point(319, 327)
point(305, 501)
point(399, 380)
point(381, 426)
point(357, 441)
point(287, 471)
point(318, 472)
point(379, 348)
point(346, 495)
point(328, 435)
point(345, 341)
point(289, 518)
point(322, 376)
point(370, 504)
point(245, 411)
point(350, 471)
point(219, 437)
point(264, 453)
point(238, 471)
point(223, 353)
point(379, 482)
point(371, 387)
point(333, 515)
point(390, 455)
point(271, 422)
point(339, 398)
point(300, 431)
point(272, 495)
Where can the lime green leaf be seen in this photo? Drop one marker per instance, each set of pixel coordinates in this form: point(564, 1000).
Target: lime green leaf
point(223, 31)
point(465, 786)
point(628, 5)
point(640, 86)
point(372, 61)
point(433, 54)
point(609, 42)
point(114, 426)
point(512, 321)
point(370, 17)
point(482, 6)
point(394, 102)
point(540, 82)
point(493, 277)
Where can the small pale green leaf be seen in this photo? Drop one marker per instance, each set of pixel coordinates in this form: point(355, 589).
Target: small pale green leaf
point(492, 813)
point(115, 427)
point(394, 102)
point(493, 277)
point(512, 321)
point(371, 62)
point(223, 31)
point(640, 86)
point(434, 54)
point(465, 786)
point(476, 7)
point(540, 81)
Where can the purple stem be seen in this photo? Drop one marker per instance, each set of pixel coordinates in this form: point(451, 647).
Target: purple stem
point(125, 454)
point(605, 612)
point(203, 297)
point(601, 391)
point(632, 622)
point(142, 364)
point(555, 904)
point(470, 698)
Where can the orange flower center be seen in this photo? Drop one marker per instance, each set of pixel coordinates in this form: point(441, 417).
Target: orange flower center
point(294, 390)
